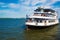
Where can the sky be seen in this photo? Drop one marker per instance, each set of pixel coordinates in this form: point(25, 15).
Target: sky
point(19, 8)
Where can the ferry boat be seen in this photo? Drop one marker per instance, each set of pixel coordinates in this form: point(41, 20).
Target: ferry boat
point(42, 17)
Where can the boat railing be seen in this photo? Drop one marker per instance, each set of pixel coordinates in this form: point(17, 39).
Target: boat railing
point(43, 15)
point(40, 15)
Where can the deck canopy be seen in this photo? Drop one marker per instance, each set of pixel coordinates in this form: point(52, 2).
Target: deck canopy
point(44, 10)
point(49, 10)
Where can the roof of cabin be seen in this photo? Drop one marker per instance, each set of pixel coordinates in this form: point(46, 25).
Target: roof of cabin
point(48, 10)
point(45, 10)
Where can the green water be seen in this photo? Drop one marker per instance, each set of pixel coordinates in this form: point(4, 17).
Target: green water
point(42, 34)
point(15, 29)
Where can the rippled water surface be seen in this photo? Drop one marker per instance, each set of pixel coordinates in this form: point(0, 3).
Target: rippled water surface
point(15, 29)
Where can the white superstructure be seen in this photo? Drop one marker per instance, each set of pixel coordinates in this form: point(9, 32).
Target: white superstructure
point(42, 17)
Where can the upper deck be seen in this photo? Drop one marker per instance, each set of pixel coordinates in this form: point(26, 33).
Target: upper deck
point(44, 13)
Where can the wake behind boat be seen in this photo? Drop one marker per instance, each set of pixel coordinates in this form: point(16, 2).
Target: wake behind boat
point(42, 17)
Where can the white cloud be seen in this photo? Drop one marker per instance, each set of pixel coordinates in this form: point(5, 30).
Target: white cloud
point(34, 2)
point(58, 11)
point(24, 8)
point(4, 6)
point(12, 5)
point(46, 6)
point(27, 2)
point(9, 5)
point(1, 3)
point(50, 2)
point(9, 14)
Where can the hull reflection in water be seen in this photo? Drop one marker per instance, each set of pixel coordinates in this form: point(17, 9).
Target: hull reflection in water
point(42, 34)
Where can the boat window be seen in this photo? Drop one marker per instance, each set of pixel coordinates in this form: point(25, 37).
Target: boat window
point(43, 14)
point(29, 20)
point(51, 21)
point(40, 21)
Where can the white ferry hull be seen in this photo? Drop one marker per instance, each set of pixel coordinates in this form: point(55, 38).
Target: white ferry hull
point(41, 24)
point(33, 26)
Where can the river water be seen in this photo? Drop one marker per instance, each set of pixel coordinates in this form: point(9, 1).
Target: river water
point(15, 29)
